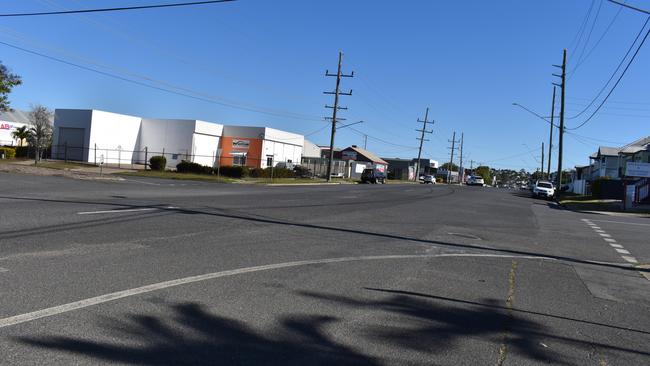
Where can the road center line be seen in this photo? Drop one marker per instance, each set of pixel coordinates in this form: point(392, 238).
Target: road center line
point(616, 246)
point(605, 235)
point(55, 310)
point(123, 210)
point(622, 251)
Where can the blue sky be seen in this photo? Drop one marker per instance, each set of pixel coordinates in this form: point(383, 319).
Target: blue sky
point(468, 61)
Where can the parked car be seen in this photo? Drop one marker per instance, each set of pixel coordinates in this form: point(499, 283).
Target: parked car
point(373, 176)
point(475, 181)
point(428, 179)
point(543, 189)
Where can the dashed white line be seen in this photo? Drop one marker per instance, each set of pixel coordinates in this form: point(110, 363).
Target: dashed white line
point(616, 246)
point(596, 227)
point(625, 223)
point(630, 259)
point(623, 251)
point(610, 240)
point(3, 270)
point(600, 231)
point(605, 235)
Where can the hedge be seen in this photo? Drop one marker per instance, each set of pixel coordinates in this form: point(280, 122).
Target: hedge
point(189, 167)
point(234, 171)
point(8, 152)
point(22, 151)
point(158, 163)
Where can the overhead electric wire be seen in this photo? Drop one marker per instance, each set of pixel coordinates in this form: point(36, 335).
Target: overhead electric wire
point(581, 30)
point(208, 99)
point(511, 156)
point(629, 6)
point(381, 140)
point(617, 81)
point(602, 36)
point(591, 30)
point(123, 8)
point(615, 71)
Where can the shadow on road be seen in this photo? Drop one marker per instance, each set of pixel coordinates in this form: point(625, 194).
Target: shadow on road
point(194, 336)
point(399, 322)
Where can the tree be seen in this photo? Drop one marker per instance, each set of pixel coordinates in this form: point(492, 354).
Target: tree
point(7, 82)
point(21, 133)
point(484, 172)
point(445, 166)
point(40, 135)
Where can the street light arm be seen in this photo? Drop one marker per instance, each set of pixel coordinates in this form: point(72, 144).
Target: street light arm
point(545, 119)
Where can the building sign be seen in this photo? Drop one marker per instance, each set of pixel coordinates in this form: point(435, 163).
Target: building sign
point(349, 155)
point(637, 169)
point(239, 144)
point(380, 168)
point(5, 126)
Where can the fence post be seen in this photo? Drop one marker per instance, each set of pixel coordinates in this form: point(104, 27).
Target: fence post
point(95, 158)
point(146, 160)
point(65, 151)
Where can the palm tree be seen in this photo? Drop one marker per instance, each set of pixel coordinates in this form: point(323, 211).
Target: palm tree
point(21, 133)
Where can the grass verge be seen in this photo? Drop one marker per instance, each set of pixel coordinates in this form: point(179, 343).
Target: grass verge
point(179, 176)
point(61, 165)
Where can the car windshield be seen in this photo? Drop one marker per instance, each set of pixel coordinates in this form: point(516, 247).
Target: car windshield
point(545, 185)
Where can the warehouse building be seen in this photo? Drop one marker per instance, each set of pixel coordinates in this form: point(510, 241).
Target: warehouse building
point(9, 121)
point(359, 159)
point(103, 137)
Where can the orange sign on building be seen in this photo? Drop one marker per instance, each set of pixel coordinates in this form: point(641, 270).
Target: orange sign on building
point(241, 151)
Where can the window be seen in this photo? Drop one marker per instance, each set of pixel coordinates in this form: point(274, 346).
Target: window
point(239, 159)
point(269, 161)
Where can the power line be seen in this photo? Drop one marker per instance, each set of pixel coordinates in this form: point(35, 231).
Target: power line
point(124, 8)
point(382, 140)
point(591, 30)
point(629, 6)
point(617, 81)
point(186, 92)
point(615, 71)
point(581, 30)
point(609, 26)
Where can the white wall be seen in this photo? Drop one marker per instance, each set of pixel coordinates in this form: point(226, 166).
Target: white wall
point(116, 137)
point(181, 139)
point(174, 137)
point(284, 146)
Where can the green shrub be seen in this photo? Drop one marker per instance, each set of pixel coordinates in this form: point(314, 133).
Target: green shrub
point(280, 172)
point(158, 163)
point(22, 151)
point(8, 152)
point(234, 171)
point(190, 167)
point(258, 173)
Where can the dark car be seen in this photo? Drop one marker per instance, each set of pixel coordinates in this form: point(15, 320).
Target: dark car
point(373, 176)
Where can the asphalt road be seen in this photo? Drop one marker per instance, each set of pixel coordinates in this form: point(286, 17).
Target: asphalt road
point(155, 272)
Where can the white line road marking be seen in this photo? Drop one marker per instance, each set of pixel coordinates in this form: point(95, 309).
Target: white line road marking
point(3, 270)
point(605, 235)
point(585, 220)
point(629, 259)
point(621, 222)
point(616, 245)
point(600, 231)
point(610, 240)
point(124, 210)
point(596, 227)
point(623, 251)
point(55, 310)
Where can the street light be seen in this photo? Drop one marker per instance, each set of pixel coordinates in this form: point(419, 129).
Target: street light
point(545, 119)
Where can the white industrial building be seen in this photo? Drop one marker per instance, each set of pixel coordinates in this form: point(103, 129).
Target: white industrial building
point(98, 136)
point(9, 122)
